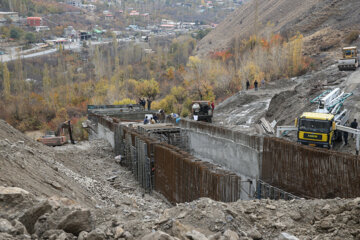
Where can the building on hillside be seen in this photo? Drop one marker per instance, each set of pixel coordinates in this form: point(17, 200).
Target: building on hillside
point(75, 3)
point(109, 17)
point(34, 21)
point(134, 13)
point(70, 32)
point(41, 28)
point(89, 7)
point(8, 17)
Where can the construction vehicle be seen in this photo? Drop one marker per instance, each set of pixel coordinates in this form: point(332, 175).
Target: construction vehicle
point(319, 128)
point(350, 59)
point(202, 111)
point(57, 138)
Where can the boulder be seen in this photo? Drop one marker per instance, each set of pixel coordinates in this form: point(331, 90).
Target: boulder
point(96, 234)
point(195, 235)
point(83, 235)
point(14, 201)
point(231, 235)
point(287, 236)
point(76, 221)
point(19, 227)
point(159, 235)
point(6, 236)
point(118, 232)
point(71, 220)
point(29, 217)
point(254, 234)
point(6, 227)
point(57, 234)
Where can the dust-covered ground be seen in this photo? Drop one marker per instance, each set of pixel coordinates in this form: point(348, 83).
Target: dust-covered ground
point(81, 192)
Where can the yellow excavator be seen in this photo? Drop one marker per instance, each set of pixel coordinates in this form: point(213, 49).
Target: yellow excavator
point(350, 59)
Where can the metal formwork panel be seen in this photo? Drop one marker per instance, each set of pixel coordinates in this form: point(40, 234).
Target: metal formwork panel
point(308, 171)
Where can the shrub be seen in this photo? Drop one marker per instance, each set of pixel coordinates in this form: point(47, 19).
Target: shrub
point(352, 36)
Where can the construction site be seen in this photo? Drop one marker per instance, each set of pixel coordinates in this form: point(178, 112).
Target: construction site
point(235, 178)
point(276, 162)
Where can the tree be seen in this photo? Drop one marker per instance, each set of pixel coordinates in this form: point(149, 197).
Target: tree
point(46, 79)
point(15, 33)
point(30, 37)
point(6, 82)
point(148, 88)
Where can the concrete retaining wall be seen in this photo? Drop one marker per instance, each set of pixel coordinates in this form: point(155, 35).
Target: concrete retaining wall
point(233, 150)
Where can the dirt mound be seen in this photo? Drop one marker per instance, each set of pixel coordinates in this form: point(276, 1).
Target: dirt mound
point(324, 22)
point(30, 165)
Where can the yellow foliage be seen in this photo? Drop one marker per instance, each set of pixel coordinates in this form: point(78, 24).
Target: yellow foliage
point(179, 93)
point(124, 101)
point(148, 88)
point(253, 72)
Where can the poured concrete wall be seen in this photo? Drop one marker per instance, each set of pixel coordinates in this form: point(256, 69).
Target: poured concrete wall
point(106, 133)
point(233, 150)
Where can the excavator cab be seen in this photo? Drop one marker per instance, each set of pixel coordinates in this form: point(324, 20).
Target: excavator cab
point(350, 59)
point(350, 52)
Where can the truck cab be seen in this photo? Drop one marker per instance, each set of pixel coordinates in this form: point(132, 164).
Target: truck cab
point(316, 129)
point(202, 111)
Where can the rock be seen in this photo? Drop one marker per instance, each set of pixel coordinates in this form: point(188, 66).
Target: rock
point(19, 227)
point(41, 225)
point(254, 234)
point(6, 236)
point(13, 201)
point(29, 217)
point(56, 234)
point(215, 236)
point(271, 207)
point(159, 235)
point(287, 236)
point(6, 227)
point(231, 235)
point(76, 221)
point(96, 234)
point(56, 185)
point(118, 232)
point(127, 235)
point(326, 224)
point(296, 216)
point(82, 236)
point(179, 230)
point(195, 235)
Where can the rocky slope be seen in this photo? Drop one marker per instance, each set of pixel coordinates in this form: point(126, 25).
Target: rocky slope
point(80, 192)
point(324, 23)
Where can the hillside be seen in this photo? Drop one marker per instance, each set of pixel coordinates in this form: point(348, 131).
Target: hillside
point(324, 23)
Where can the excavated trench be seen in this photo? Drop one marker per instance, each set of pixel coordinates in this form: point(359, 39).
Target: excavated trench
point(226, 165)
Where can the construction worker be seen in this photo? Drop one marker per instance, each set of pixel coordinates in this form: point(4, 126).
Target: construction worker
point(263, 83)
point(146, 120)
point(247, 84)
point(256, 85)
point(354, 125)
point(345, 135)
point(149, 103)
